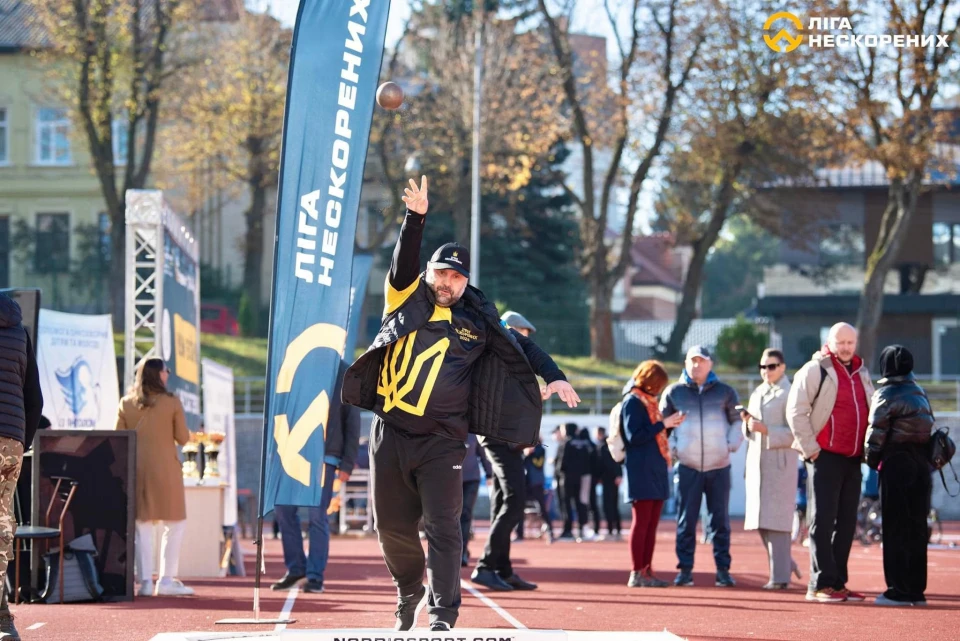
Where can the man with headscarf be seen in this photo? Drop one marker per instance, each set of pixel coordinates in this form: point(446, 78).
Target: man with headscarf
point(827, 412)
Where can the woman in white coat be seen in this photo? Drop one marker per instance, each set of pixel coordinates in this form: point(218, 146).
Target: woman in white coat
point(771, 468)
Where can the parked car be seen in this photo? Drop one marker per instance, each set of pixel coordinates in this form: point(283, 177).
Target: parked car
point(218, 319)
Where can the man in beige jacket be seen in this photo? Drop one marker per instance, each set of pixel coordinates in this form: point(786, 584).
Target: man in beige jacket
point(827, 412)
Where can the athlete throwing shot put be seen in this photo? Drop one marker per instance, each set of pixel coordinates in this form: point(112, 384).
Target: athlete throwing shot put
point(441, 362)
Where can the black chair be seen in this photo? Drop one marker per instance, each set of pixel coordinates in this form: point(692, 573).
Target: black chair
point(64, 490)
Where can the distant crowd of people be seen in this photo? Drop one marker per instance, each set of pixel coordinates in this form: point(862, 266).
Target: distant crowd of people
point(832, 417)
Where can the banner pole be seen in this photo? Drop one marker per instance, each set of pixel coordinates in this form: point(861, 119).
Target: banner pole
point(256, 620)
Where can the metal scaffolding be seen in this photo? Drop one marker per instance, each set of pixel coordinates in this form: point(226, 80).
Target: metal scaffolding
point(147, 213)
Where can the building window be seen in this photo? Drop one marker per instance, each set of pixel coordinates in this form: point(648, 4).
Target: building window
point(4, 136)
point(946, 244)
point(842, 244)
point(120, 139)
point(4, 251)
point(52, 253)
point(53, 137)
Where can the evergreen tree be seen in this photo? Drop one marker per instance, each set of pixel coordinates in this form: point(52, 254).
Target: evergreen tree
point(529, 242)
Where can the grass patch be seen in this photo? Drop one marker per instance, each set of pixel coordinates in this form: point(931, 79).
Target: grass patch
point(247, 356)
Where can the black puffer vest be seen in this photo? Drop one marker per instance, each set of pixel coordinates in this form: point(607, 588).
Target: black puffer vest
point(504, 399)
point(13, 370)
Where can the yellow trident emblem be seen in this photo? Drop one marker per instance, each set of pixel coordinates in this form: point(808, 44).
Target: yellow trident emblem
point(792, 41)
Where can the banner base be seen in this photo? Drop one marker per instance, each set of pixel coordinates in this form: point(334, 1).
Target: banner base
point(256, 621)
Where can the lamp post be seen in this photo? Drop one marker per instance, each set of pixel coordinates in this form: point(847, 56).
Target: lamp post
point(475, 165)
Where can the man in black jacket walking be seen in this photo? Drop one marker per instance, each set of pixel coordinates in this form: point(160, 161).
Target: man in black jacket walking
point(508, 498)
point(441, 362)
point(20, 405)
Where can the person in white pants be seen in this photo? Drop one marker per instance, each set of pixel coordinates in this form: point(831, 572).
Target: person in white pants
point(158, 418)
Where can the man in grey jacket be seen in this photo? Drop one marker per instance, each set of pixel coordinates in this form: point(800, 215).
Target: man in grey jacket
point(702, 444)
point(340, 453)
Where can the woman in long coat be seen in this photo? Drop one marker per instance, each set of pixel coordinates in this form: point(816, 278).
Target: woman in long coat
point(771, 468)
point(157, 417)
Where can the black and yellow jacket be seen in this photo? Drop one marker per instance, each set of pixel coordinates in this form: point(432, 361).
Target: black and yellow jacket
point(503, 396)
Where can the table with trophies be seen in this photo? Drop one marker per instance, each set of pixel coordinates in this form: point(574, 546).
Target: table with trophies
point(203, 540)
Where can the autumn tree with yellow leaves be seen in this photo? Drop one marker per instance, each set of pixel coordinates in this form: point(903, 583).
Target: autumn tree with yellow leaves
point(226, 123)
point(112, 61)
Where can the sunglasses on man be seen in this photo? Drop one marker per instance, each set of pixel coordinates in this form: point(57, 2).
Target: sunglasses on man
point(770, 367)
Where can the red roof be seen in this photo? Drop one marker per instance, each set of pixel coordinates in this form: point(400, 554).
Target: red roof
point(653, 261)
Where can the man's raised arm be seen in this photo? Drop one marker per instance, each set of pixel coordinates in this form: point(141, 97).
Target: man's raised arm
point(405, 264)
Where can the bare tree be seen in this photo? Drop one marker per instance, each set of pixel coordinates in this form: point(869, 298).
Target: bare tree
point(112, 59)
point(521, 118)
point(751, 120)
point(657, 56)
point(228, 115)
point(894, 122)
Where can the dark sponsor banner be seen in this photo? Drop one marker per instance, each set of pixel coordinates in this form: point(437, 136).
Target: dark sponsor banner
point(179, 327)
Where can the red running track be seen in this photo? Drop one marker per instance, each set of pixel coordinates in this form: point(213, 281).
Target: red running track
point(582, 587)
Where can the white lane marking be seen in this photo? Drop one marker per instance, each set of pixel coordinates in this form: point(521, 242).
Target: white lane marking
point(37, 626)
point(496, 608)
point(287, 608)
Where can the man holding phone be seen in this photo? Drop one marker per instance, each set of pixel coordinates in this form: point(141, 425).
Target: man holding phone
point(702, 444)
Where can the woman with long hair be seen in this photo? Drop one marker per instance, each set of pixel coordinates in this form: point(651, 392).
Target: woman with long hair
point(646, 461)
point(157, 417)
point(771, 468)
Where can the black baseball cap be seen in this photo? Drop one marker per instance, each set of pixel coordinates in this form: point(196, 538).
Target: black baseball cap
point(451, 256)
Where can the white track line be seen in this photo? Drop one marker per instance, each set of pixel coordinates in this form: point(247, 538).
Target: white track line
point(36, 626)
point(287, 608)
point(496, 608)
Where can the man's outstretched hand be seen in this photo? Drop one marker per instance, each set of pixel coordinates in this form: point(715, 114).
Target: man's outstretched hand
point(416, 197)
point(564, 390)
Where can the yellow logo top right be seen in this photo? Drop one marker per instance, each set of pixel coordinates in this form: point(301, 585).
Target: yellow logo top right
point(792, 41)
point(827, 32)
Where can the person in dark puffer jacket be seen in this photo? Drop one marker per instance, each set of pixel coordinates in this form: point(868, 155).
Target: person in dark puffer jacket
point(901, 422)
point(20, 405)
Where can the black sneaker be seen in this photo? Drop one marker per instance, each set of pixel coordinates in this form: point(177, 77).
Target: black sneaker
point(8, 631)
point(440, 626)
point(314, 586)
point(490, 579)
point(464, 560)
point(288, 581)
point(409, 608)
point(684, 579)
point(517, 583)
point(724, 580)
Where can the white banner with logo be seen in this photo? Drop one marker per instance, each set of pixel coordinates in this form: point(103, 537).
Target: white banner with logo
point(218, 419)
point(78, 370)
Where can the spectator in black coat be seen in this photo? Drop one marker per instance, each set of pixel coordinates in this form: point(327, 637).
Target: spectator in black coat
point(474, 460)
point(590, 482)
point(897, 441)
point(571, 464)
point(609, 475)
point(533, 463)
